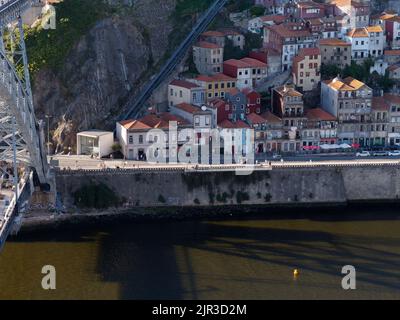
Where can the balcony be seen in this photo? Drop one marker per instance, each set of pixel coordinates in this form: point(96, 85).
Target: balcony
point(293, 114)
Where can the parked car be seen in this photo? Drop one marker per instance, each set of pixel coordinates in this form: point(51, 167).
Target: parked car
point(276, 156)
point(380, 154)
point(363, 154)
point(395, 153)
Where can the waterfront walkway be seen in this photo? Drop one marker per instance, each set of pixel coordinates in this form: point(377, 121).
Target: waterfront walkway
point(74, 163)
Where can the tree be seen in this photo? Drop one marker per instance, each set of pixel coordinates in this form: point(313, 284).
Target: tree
point(232, 52)
point(329, 71)
point(240, 5)
point(257, 11)
point(116, 147)
point(253, 41)
point(359, 71)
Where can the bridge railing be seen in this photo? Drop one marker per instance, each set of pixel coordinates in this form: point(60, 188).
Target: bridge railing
point(6, 220)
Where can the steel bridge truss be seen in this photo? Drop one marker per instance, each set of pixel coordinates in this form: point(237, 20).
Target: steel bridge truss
point(20, 133)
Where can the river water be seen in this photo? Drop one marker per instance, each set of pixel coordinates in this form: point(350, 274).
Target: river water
point(240, 258)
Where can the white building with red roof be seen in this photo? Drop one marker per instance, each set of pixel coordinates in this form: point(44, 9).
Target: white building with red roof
point(137, 136)
point(213, 36)
point(208, 57)
point(288, 39)
point(320, 128)
point(239, 70)
point(367, 41)
point(247, 71)
point(182, 91)
point(200, 117)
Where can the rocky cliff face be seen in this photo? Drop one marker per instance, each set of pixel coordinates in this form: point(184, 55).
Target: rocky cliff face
point(112, 61)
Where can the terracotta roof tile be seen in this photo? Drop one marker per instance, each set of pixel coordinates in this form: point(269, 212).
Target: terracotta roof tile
point(283, 31)
point(392, 98)
point(271, 118)
point(334, 42)
point(347, 84)
point(214, 78)
point(226, 124)
point(358, 33)
point(254, 63)
point(380, 104)
point(207, 45)
point(184, 84)
point(287, 90)
point(319, 114)
point(159, 121)
point(392, 53)
point(187, 107)
point(212, 33)
point(255, 118)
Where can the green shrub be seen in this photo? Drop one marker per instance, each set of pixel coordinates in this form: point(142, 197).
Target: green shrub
point(211, 197)
point(49, 48)
point(242, 196)
point(97, 196)
point(161, 199)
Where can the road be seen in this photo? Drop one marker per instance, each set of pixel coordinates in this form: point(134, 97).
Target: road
point(273, 81)
point(86, 163)
point(135, 104)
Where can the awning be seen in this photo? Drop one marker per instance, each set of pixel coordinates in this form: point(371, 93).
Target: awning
point(311, 147)
point(345, 146)
point(325, 146)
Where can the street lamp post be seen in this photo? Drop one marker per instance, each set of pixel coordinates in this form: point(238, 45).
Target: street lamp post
point(48, 133)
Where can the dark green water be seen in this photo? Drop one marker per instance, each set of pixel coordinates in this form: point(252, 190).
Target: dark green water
point(236, 259)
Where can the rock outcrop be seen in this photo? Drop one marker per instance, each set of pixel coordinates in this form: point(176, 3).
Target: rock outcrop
point(108, 64)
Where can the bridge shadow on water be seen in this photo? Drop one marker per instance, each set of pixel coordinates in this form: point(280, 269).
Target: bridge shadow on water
point(151, 260)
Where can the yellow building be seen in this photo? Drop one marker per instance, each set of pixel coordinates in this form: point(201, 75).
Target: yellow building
point(216, 86)
point(306, 69)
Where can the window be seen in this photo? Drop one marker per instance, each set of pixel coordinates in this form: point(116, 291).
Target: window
point(130, 139)
point(141, 139)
